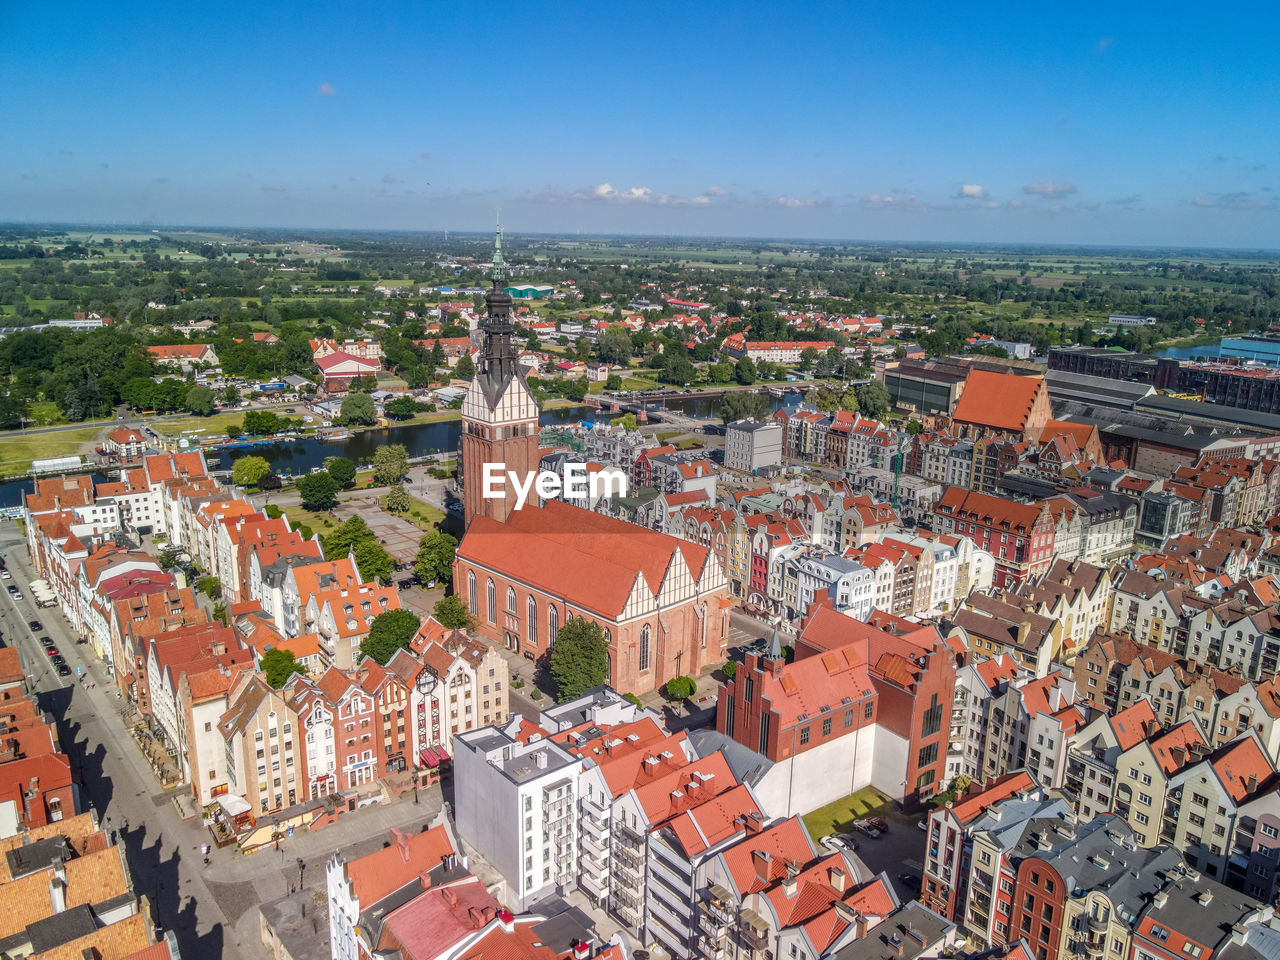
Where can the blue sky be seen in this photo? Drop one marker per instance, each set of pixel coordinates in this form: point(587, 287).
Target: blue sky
point(1097, 123)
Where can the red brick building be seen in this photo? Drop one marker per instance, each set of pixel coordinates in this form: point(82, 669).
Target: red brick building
point(1019, 535)
point(1002, 404)
point(661, 601)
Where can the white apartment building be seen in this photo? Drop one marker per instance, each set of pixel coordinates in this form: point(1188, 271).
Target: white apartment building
point(516, 802)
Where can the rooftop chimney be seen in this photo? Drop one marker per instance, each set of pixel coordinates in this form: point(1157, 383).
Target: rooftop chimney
point(838, 878)
point(507, 922)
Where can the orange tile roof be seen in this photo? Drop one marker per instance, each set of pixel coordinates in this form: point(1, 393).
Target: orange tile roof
point(715, 820)
point(590, 560)
point(1179, 737)
point(385, 871)
point(750, 873)
point(973, 804)
point(999, 400)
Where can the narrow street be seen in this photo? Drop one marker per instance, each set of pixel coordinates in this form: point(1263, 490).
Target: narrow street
point(213, 909)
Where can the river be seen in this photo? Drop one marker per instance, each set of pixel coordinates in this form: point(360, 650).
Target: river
point(418, 438)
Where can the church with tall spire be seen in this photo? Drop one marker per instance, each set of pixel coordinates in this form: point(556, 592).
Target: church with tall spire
point(499, 412)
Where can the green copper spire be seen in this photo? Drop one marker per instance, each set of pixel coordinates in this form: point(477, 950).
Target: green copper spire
point(499, 269)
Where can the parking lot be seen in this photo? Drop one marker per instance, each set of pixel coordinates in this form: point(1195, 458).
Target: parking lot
point(896, 852)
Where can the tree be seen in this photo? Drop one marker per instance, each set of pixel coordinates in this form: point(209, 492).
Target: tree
point(354, 536)
point(390, 464)
point(358, 408)
point(401, 408)
point(247, 471)
point(345, 536)
point(390, 631)
point(278, 666)
point(270, 481)
point(318, 490)
point(365, 383)
point(260, 422)
point(613, 382)
point(435, 557)
point(373, 562)
point(169, 558)
point(873, 398)
point(745, 371)
point(342, 470)
point(397, 500)
point(830, 397)
point(681, 688)
point(741, 404)
point(452, 612)
point(627, 421)
point(579, 659)
point(730, 669)
point(464, 369)
point(808, 358)
point(914, 427)
point(200, 401)
point(613, 346)
point(231, 394)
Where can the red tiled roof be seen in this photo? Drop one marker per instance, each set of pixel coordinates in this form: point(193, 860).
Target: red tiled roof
point(590, 560)
point(999, 400)
point(385, 871)
point(971, 805)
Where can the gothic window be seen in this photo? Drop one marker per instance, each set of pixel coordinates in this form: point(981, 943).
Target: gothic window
point(644, 647)
point(553, 624)
point(491, 600)
point(533, 622)
point(472, 601)
point(511, 599)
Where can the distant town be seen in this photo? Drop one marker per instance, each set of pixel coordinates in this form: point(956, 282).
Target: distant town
point(840, 602)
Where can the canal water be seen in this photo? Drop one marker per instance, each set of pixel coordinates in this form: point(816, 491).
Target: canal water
point(418, 438)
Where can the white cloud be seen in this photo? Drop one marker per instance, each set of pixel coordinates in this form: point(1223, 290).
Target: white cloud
point(326, 90)
point(798, 203)
point(1049, 189)
point(607, 193)
point(1017, 204)
point(972, 191)
point(717, 192)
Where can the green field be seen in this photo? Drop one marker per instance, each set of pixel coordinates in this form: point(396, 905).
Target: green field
point(17, 450)
point(213, 426)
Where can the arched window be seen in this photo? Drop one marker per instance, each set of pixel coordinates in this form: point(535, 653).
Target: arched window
point(511, 599)
point(553, 623)
point(533, 622)
point(644, 647)
point(491, 599)
point(473, 602)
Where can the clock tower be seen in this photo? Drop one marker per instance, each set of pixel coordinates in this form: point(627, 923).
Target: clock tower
point(499, 413)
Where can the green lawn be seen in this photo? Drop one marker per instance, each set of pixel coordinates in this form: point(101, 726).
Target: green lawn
point(838, 817)
point(639, 383)
point(213, 426)
point(17, 449)
point(430, 516)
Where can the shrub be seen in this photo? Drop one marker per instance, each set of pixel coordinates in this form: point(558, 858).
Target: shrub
point(730, 670)
point(537, 694)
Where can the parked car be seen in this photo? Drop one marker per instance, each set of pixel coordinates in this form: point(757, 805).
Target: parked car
point(17, 595)
point(57, 661)
point(46, 642)
point(923, 825)
point(63, 670)
point(909, 880)
point(5, 575)
point(35, 625)
point(864, 827)
point(833, 842)
point(12, 589)
point(52, 651)
point(880, 823)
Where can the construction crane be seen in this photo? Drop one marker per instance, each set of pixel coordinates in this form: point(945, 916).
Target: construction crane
point(897, 470)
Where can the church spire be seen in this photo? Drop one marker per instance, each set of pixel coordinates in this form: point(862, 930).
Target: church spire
point(499, 268)
point(498, 360)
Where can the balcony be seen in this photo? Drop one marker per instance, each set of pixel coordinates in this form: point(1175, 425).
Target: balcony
point(595, 828)
point(628, 835)
point(754, 931)
point(594, 847)
point(594, 808)
point(594, 886)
